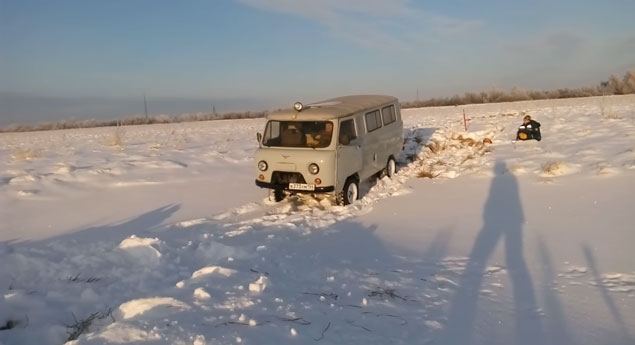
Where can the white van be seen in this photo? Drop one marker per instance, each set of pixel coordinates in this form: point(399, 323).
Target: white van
point(330, 146)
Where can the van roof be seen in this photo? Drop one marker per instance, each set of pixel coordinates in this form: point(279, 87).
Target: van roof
point(333, 108)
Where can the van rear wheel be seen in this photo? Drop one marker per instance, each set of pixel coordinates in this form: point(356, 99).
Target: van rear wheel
point(391, 167)
point(350, 193)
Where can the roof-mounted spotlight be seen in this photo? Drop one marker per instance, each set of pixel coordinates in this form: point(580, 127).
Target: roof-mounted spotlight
point(298, 106)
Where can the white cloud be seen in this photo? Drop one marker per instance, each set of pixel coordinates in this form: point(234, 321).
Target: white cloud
point(371, 23)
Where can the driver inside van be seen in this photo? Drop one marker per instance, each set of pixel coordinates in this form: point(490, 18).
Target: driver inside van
point(292, 136)
point(321, 138)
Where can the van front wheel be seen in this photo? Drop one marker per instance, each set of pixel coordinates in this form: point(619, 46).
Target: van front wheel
point(278, 195)
point(350, 193)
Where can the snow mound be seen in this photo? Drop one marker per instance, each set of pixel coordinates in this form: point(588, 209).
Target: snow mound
point(619, 282)
point(213, 270)
point(235, 302)
point(214, 251)
point(190, 223)
point(119, 333)
point(141, 249)
point(201, 295)
point(244, 209)
point(605, 169)
point(64, 169)
point(27, 192)
point(155, 307)
point(24, 179)
point(259, 285)
point(433, 325)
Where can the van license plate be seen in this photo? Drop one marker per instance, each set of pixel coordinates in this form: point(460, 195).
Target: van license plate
point(301, 186)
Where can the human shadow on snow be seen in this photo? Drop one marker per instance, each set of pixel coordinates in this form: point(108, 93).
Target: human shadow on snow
point(113, 233)
point(116, 231)
point(503, 220)
point(620, 325)
point(556, 329)
point(330, 272)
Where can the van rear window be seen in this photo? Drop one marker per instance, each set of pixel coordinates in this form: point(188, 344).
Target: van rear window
point(373, 120)
point(388, 114)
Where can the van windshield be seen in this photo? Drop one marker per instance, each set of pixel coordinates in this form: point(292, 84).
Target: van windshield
point(311, 134)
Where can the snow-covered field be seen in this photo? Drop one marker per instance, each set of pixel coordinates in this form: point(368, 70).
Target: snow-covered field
point(158, 235)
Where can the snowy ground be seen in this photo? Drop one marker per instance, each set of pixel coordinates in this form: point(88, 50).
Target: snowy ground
point(158, 235)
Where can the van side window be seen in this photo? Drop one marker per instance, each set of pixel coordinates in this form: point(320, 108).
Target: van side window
point(388, 114)
point(347, 132)
point(359, 121)
point(272, 133)
point(373, 120)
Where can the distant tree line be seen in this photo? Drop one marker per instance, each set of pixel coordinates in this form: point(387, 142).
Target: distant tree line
point(613, 86)
point(132, 120)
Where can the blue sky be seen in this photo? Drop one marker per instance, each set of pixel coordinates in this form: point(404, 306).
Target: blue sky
point(63, 59)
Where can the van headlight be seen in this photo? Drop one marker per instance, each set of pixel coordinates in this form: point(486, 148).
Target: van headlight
point(314, 168)
point(262, 166)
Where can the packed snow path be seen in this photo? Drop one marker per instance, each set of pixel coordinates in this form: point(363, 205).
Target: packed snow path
point(156, 235)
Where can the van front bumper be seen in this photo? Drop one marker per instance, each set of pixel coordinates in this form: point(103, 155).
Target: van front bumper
point(285, 186)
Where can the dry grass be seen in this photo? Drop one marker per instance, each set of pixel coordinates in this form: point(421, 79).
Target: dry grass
point(465, 141)
point(435, 146)
point(478, 147)
point(116, 139)
point(426, 173)
point(553, 168)
point(467, 158)
point(79, 327)
point(26, 154)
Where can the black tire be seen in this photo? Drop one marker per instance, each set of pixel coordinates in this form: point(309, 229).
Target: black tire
point(349, 193)
point(391, 167)
point(278, 195)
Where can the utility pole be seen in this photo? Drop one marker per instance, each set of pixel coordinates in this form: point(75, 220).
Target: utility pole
point(145, 105)
point(417, 94)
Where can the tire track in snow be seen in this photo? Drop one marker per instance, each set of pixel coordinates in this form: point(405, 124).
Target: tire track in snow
point(444, 154)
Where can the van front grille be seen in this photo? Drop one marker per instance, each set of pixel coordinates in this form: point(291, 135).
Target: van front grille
point(284, 177)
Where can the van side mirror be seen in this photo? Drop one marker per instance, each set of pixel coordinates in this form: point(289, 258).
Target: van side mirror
point(259, 137)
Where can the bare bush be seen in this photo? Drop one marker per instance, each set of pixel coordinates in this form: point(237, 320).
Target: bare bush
point(554, 168)
point(79, 327)
point(387, 293)
point(25, 154)
point(117, 137)
point(628, 83)
point(456, 143)
point(613, 86)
